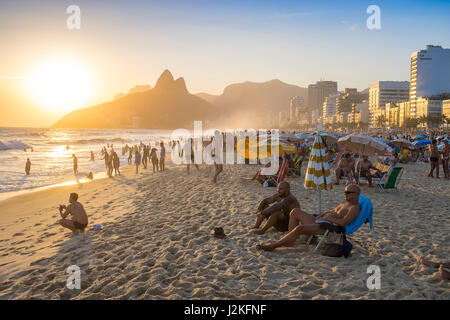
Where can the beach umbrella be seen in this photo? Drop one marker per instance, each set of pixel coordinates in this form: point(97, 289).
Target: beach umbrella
point(303, 136)
point(422, 142)
point(328, 136)
point(402, 142)
point(420, 136)
point(285, 146)
point(440, 147)
point(318, 173)
point(363, 145)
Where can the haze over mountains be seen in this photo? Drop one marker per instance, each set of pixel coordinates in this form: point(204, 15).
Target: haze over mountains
point(169, 105)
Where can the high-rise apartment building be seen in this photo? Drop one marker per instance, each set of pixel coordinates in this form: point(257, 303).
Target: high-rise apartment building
point(430, 74)
point(318, 92)
point(382, 92)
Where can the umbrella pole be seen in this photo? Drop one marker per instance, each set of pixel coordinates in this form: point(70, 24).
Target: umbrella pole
point(320, 202)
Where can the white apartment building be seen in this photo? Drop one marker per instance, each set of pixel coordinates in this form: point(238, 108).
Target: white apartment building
point(430, 74)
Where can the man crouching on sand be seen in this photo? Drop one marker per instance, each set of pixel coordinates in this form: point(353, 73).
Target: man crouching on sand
point(79, 220)
point(305, 223)
point(278, 214)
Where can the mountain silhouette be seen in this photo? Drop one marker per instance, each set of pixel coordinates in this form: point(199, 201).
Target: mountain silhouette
point(168, 105)
point(249, 104)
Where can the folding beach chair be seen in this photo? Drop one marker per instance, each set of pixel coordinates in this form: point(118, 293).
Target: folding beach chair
point(365, 216)
point(391, 180)
point(336, 160)
point(281, 174)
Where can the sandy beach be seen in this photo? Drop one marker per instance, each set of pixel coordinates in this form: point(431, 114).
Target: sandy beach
point(156, 241)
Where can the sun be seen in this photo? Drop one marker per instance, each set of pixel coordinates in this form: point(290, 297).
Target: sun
point(60, 85)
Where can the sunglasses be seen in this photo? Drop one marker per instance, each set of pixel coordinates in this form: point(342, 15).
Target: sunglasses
point(349, 192)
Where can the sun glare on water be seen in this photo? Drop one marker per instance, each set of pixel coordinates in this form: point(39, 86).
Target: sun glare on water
point(60, 85)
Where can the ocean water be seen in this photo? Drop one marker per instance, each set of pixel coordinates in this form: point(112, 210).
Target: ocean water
point(51, 162)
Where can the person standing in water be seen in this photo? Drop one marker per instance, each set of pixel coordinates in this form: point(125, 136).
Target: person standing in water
point(92, 156)
point(75, 164)
point(162, 157)
point(28, 166)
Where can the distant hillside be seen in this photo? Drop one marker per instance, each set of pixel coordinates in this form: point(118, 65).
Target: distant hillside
point(137, 89)
point(207, 97)
point(250, 104)
point(167, 106)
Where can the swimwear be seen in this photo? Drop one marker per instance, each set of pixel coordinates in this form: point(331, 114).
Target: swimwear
point(433, 159)
point(79, 226)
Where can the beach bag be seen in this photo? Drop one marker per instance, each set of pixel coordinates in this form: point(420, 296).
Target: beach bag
point(334, 245)
point(346, 247)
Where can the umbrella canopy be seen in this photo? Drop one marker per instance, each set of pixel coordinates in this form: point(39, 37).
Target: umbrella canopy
point(318, 174)
point(364, 145)
point(285, 146)
point(303, 136)
point(402, 142)
point(422, 142)
point(328, 136)
point(420, 136)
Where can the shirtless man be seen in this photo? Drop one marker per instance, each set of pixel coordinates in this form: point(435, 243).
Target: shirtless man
point(434, 159)
point(277, 215)
point(445, 157)
point(303, 223)
point(346, 166)
point(28, 166)
point(79, 217)
point(366, 165)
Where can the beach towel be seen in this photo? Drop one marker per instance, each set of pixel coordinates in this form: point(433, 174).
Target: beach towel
point(364, 215)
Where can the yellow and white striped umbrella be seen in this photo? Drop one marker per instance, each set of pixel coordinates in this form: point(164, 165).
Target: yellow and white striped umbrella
point(318, 173)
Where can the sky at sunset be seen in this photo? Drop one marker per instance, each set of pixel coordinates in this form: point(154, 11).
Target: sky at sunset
point(210, 43)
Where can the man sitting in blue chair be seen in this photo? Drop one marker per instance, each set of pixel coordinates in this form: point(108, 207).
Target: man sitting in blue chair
point(344, 215)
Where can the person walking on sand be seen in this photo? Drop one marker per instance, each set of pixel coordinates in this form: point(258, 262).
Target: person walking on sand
point(162, 157)
point(28, 167)
point(79, 219)
point(145, 156)
point(75, 164)
point(154, 158)
point(137, 159)
point(434, 159)
point(190, 158)
point(116, 163)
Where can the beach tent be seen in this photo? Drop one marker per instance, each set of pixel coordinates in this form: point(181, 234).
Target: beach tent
point(422, 142)
point(318, 173)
